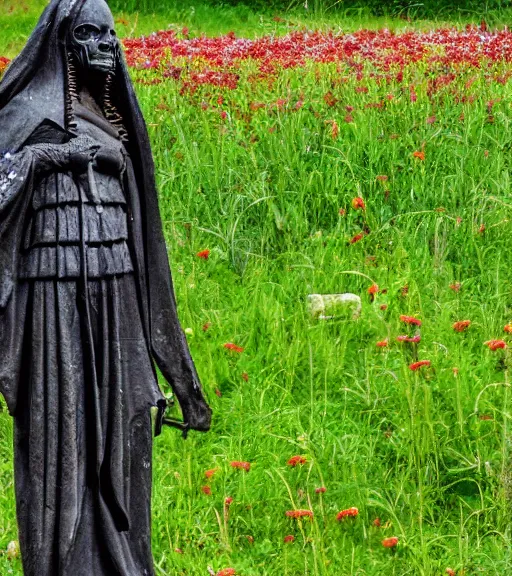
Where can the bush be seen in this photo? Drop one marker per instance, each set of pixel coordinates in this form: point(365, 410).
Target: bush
point(418, 8)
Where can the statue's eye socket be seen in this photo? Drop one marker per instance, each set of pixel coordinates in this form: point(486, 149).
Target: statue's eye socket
point(87, 32)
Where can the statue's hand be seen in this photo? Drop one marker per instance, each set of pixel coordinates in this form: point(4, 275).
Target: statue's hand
point(109, 160)
point(197, 414)
point(81, 152)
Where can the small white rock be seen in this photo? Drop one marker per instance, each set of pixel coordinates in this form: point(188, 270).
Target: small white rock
point(331, 306)
point(13, 550)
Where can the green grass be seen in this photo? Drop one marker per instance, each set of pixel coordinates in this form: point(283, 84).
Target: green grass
point(427, 452)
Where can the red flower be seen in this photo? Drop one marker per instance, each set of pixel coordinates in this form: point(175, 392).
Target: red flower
point(321, 490)
point(456, 286)
point(228, 501)
point(211, 473)
point(383, 344)
point(495, 344)
point(335, 129)
point(241, 465)
point(461, 325)
point(419, 154)
point(451, 572)
point(410, 320)
point(357, 237)
point(383, 307)
point(417, 365)
point(206, 326)
point(431, 120)
point(349, 513)
point(373, 289)
point(233, 347)
point(245, 376)
point(299, 514)
point(377, 523)
point(390, 542)
point(295, 460)
point(349, 118)
point(204, 254)
point(481, 230)
point(508, 328)
point(358, 203)
point(288, 539)
point(342, 212)
point(4, 62)
point(206, 490)
point(227, 572)
point(330, 100)
point(382, 178)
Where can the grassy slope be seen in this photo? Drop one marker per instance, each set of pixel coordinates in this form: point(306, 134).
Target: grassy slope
point(407, 447)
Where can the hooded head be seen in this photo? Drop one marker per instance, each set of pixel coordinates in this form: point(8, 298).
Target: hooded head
point(92, 38)
point(36, 86)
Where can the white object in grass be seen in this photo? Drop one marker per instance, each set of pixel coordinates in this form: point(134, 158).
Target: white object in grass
point(332, 306)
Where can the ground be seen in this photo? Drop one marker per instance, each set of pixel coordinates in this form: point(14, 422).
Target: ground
point(316, 162)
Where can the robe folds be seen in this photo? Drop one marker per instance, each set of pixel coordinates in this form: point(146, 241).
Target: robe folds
point(79, 350)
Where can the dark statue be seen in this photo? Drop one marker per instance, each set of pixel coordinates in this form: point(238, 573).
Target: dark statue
point(87, 307)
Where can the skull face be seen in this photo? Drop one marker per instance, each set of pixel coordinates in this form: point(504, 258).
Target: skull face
point(93, 38)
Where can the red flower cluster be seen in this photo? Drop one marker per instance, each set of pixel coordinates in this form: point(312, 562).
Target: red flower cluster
point(462, 325)
point(349, 513)
point(299, 514)
point(295, 460)
point(496, 344)
point(390, 542)
point(204, 254)
point(211, 473)
point(233, 347)
point(358, 203)
point(241, 465)
point(4, 62)
point(410, 320)
point(417, 365)
point(447, 48)
point(227, 572)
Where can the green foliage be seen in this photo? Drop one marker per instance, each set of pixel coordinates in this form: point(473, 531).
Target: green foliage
point(427, 452)
point(411, 8)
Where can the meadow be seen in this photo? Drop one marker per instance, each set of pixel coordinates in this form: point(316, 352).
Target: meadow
point(302, 154)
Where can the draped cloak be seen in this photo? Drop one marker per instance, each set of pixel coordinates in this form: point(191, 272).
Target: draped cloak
point(33, 91)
